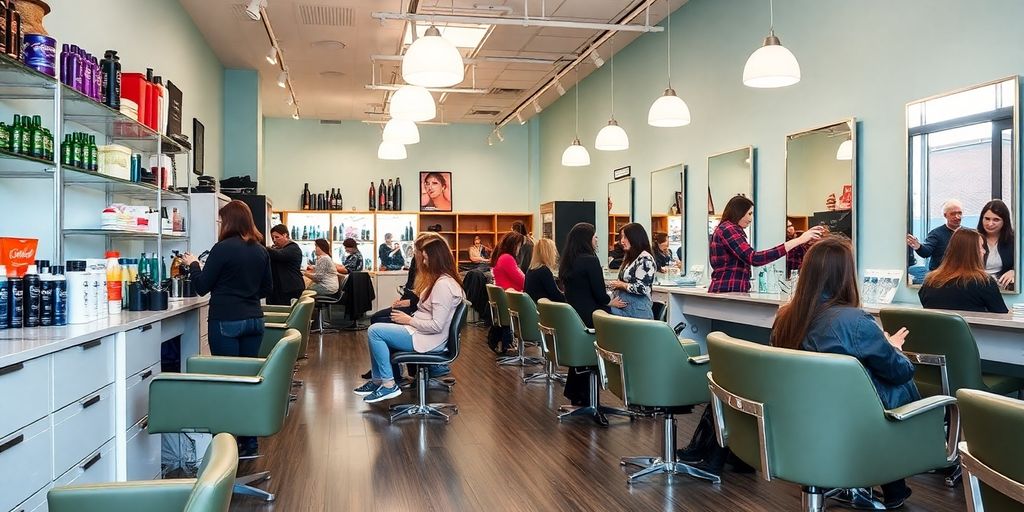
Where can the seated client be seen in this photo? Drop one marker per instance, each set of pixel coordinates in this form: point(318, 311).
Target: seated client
point(961, 281)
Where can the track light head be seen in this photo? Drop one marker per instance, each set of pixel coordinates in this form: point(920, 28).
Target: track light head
point(253, 10)
point(497, 133)
point(598, 61)
point(282, 79)
point(536, 107)
point(559, 88)
point(519, 117)
point(272, 56)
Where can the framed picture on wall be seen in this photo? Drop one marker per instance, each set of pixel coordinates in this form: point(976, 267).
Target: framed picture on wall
point(435, 191)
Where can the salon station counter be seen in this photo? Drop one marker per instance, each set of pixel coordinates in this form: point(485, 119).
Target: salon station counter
point(1000, 337)
point(74, 399)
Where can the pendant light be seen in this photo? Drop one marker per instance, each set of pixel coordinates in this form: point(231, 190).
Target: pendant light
point(401, 131)
point(433, 61)
point(771, 65)
point(391, 151)
point(612, 137)
point(669, 111)
point(845, 151)
point(576, 155)
point(412, 103)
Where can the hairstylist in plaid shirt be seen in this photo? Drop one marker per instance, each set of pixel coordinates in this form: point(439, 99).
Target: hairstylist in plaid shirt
point(731, 254)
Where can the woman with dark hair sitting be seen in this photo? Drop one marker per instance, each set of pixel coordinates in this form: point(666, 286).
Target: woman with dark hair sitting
point(662, 255)
point(507, 274)
point(961, 282)
point(323, 275)
point(636, 275)
point(996, 226)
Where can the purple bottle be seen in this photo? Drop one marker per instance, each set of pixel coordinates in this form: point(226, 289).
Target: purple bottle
point(64, 63)
point(88, 74)
point(97, 80)
point(75, 71)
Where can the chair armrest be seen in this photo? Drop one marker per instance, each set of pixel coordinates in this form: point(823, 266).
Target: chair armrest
point(591, 330)
point(240, 405)
point(151, 496)
point(704, 359)
point(275, 317)
point(207, 378)
point(919, 407)
point(221, 365)
point(275, 325)
point(276, 309)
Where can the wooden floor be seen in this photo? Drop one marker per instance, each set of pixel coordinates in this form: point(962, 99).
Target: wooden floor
point(504, 451)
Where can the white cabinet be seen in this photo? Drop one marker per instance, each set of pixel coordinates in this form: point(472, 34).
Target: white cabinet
point(95, 468)
point(143, 453)
point(138, 393)
point(37, 503)
point(25, 462)
point(80, 370)
point(142, 347)
point(82, 427)
point(32, 380)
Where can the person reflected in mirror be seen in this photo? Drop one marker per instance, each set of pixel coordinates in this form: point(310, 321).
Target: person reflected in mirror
point(961, 282)
point(934, 245)
point(731, 254)
point(322, 276)
point(996, 226)
point(390, 254)
point(353, 261)
point(615, 256)
point(796, 256)
point(662, 254)
point(479, 253)
point(632, 290)
point(825, 316)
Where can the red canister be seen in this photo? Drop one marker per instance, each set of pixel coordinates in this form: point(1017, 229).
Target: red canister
point(133, 87)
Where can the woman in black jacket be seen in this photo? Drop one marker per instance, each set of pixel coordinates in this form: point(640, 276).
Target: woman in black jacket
point(285, 267)
point(996, 227)
point(961, 282)
point(540, 281)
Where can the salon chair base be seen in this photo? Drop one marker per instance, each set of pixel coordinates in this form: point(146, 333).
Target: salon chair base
point(243, 487)
point(666, 464)
point(547, 376)
point(421, 407)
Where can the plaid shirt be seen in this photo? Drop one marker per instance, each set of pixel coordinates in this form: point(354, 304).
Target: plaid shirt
point(732, 257)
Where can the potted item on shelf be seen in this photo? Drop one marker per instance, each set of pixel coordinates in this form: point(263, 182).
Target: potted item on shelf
point(32, 13)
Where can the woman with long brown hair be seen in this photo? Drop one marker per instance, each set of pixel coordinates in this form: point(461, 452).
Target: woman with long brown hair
point(440, 291)
point(996, 227)
point(961, 281)
point(632, 289)
point(504, 266)
point(824, 315)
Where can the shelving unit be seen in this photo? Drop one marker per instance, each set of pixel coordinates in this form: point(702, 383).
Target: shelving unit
point(615, 223)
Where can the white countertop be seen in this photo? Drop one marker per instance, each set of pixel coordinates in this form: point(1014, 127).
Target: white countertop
point(17, 345)
point(1003, 320)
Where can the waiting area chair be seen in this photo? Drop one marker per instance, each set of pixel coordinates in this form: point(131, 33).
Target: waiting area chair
point(423, 361)
point(643, 363)
point(573, 345)
point(809, 418)
point(992, 459)
point(522, 312)
point(243, 396)
point(210, 491)
point(325, 302)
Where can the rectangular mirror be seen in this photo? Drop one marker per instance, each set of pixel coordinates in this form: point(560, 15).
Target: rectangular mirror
point(962, 158)
point(729, 174)
point(668, 197)
point(620, 209)
point(821, 170)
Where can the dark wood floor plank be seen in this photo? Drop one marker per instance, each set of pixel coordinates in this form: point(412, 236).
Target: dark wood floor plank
point(504, 451)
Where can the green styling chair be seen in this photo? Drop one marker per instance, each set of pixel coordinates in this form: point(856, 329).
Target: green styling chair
point(816, 420)
point(643, 363)
point(244, 396)
point(522, 314)
point(991, 456)
point(210, 491)
point(573, 345)
point(281, 312)
point(299, 319)
point(526, 320)
point(500, 317)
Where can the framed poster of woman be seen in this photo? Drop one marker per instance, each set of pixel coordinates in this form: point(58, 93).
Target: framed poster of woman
point(435, 191)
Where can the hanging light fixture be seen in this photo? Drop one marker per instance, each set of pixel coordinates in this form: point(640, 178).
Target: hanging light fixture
point(272, 56)
point(282, 79)
point(433, 61)
point(612, 137)
point(391, 151)
point(536, 107)
point(576, 155)
point(845, 151)
point(412, 103)
point(669, 111)
point(401, 131)
point(771, 65)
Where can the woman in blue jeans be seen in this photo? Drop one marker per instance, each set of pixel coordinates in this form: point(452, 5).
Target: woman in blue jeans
point(632, 290)
point(440, 291)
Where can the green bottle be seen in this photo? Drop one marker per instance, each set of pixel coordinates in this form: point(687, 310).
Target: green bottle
point(47, 144)
point(38, 149)
point(26, 135)
point(94, 154)
point(14, 145)
point(76, 144)
point(67, 152)
point(5, 136)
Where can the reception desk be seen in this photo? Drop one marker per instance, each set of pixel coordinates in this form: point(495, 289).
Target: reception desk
point(1000, 337)
point(74, 400)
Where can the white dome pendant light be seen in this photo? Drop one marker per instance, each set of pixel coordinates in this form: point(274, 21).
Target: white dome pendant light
point(391, 151)
point(433, 61)
point(612, 137)
point(771, 65)
point(845, 151)
point(669, 111)
point(412, 103)
point(576, 155)
point(401, 131)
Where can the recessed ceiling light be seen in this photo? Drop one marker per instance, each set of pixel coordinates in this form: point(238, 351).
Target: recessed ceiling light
point(328, 44)
point(331, 74)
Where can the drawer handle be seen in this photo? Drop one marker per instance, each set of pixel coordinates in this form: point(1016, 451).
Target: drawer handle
point(11, 369)
point(144, 424)
point(12, 443)
point(145, 328)
point(95, 458)
point(91, 402)
point(91, 344)
point(147, 374)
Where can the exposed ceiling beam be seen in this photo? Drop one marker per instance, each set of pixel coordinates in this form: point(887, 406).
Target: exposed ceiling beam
point(518, 22)
point(464, 90)
point(482, 60)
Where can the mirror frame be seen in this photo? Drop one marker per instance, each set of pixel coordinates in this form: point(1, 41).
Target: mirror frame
point(751, 154)
point(607, 213)
point(1015, 180)
point(683, 168)
point(854, 176)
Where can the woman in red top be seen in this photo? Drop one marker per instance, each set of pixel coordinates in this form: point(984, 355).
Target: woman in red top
point(731, 253)
point(507, 273)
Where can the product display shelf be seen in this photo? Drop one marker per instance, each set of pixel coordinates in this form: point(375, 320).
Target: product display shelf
point(18, 81)
point(112, 126)
point(134, 235)
point(615, 223)
point(659, 223)
point(13, 165)
point(118, 186)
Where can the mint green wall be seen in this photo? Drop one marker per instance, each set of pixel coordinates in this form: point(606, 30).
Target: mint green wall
point(496, 178)
point(863, 59)
point(243, 129)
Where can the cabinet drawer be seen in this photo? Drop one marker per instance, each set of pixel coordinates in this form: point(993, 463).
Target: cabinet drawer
point(25, 388)
point(173, 326)
point(142, 347)
point(37, 503)
point(143, 452)
point(24, 463)
point(138, 393)
point(97, 467)
point(78, 371)
point(81, 427)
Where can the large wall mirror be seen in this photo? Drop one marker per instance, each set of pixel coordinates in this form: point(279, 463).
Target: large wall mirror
point(620, 209)
point(668, 208)
point(962, 166)
point(821, 171)
point(730, 174)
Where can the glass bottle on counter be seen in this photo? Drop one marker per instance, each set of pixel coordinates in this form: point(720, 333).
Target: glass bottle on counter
point(382, 196)
point(94, 154)
point(391, 195)
point(15, 143)
point(398, 195)
point(373, 198)
point(304, 200)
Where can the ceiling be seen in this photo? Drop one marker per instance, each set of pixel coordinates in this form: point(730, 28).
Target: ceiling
point(330, 79)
